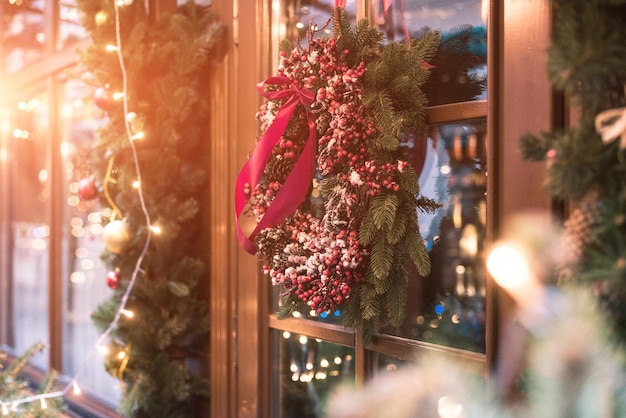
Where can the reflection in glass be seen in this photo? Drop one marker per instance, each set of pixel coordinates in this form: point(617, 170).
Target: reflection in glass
point(305, 370)
point(84, 275)
point(22, 31)
point(432, 387)
point(291, 19)
point(460, 65)
point(29, 190)
point(448, 306)
point(382, 363)
point(303, 311)
point(70, 29)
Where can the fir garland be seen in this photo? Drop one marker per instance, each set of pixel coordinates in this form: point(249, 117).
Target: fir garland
point(351, 245)
point(589, 67)
point(18, 398)
point(165, 68)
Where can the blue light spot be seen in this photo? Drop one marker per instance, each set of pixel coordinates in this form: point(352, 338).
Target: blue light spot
point(324, 314)
point(337, 312)
point(439, 309)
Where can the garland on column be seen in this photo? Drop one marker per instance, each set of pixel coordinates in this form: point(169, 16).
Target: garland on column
point(150, 79)
point(586, 164)
point(18, 399)
point(330, 184)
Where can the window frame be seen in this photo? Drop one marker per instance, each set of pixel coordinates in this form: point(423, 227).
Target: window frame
point(517, 37)
point(43, 76)
point(388, 344)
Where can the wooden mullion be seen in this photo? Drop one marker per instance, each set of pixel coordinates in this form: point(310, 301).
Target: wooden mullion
point(494, 65)
point(56, 206)
point(457, 111)
point(412, 349)
point(328, 332)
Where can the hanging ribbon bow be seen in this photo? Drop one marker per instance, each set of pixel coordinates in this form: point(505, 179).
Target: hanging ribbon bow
point(611, 124)
point(293, 190)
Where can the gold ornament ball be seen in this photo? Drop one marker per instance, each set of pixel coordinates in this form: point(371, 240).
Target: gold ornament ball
point(101, 18)
point(117, 236)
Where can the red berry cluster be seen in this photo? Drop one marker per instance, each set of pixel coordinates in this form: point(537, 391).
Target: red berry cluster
point(318, 265)
point(320, 260)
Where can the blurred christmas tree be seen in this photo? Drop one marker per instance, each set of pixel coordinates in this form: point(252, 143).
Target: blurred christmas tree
point(15, 391)
point(586, 164)
point(150, 79)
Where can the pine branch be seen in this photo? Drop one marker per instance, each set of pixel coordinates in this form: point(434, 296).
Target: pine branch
point(370, 304)
point(17, 366)
point(288, 306)
point(417, 251)
point(381, 262)
point(398, 230)
point(383, 210)
point(395, 297)
point(342, 31)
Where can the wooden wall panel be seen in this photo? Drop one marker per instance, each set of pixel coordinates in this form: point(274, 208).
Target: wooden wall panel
point(522, 102)
point(525, 104)
point(237, 349)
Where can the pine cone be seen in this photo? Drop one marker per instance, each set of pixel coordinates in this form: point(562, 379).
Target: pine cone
point(279, 169)
point(577, 234)
point(268, 240)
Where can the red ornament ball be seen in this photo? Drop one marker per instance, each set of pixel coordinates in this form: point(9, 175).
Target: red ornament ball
point(102, 98)
point(87, 189)
point(113, 278)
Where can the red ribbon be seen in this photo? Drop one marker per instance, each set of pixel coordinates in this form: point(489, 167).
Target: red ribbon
point(293, 190)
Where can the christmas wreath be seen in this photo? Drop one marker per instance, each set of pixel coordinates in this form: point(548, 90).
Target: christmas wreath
point(330, 185)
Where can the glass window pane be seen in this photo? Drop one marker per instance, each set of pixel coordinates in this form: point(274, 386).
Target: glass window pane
point(29, 195)
point(22, 31)
point(431, 387)
point(70, 29)
point(383, 363)
point(448, 306)
point(291, 19)
point(460, 66)
point(84, 274)
point(304, 371)
point(304, 311)
point(295, 16)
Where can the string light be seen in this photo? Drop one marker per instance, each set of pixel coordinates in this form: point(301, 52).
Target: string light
point(111, 48)
point(5, 410)
point(75, 387)
point(138, 135)
point(127, 313)
point(102, 349)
